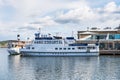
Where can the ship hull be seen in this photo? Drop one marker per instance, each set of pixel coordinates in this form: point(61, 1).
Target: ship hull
point(14, 51)
point(27, 53)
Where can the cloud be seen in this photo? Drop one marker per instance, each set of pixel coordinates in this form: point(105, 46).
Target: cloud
point(29, 10)
point(29, 15)
point(110, 7)
point(111, 12)
point(79, 10)
point(90, 16)
point(78, 15)
point(27, 28)
point(46, 21)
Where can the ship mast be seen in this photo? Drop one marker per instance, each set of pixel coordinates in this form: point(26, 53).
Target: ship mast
point(39, 30)
point(18, 38)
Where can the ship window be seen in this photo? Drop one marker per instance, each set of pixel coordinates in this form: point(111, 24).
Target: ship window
point(81, 47)
point(56, 48)
point(60, 48)
point(28, 48)
point(55, 42)
point(93, 47)
point(68, 48)
point(15, 45)
point(41, 42)
point(33, 48)
point(60, 42)
point(90, 48)
point(64, 48)
point(45, 42)
point(48, 42)
point(12, 45)
point(73, 48)
point(37, 42)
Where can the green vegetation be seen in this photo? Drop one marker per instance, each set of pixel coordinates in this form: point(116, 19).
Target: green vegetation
point(3, 43)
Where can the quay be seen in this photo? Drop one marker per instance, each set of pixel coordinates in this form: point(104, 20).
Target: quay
point(109, 52)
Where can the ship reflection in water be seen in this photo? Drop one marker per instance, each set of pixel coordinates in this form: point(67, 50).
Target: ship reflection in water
point(59, 68)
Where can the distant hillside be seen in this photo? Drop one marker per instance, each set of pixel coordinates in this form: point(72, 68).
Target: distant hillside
point(3, 44)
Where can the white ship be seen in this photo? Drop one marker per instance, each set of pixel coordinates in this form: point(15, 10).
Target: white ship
point(15, 45)
point(45, 45)
point(13, 48)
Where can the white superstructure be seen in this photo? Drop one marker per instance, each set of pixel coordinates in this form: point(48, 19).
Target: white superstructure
point(45, 45)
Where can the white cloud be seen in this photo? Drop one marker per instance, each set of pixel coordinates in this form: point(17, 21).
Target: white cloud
point(92, 16)
point(110, 7)
point(46, 13)
point(28, 10)
point(32, 7)
point(47, 21)
point(78, 15)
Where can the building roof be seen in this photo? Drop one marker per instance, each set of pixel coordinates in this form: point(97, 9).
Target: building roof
point(87, 32)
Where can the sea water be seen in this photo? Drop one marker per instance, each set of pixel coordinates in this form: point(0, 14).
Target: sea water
point(58, 68)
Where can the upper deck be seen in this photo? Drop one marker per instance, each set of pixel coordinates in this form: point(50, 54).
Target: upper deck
point(47, 39)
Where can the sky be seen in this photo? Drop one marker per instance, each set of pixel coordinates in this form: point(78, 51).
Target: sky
point(58, 17)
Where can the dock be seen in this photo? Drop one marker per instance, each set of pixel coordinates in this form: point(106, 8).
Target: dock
point(109, 52)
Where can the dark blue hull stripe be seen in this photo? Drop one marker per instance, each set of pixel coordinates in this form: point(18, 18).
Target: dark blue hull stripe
point(26, 53)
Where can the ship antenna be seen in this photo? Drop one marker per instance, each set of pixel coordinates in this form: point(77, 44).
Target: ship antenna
point(72, 33)
point(39, 30)
point(18, 39)
point(87, 28)
point(57, 33)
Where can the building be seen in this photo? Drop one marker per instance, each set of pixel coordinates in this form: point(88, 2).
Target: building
point(109, 39)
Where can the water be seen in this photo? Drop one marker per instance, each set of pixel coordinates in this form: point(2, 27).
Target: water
point(58, 68)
